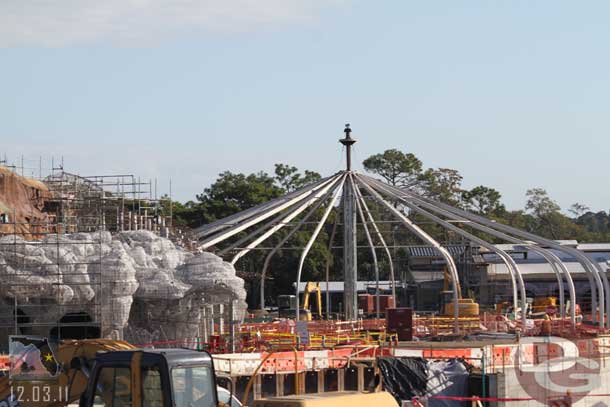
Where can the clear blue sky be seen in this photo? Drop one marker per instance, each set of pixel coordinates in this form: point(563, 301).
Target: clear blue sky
point(513, 94)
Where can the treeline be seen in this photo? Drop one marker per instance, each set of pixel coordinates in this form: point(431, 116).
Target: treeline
point(234, 192)
point(541, 214)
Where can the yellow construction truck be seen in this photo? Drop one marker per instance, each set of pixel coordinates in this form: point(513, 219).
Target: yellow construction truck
point(111, 373)
point(287, 303)
point(466, 306)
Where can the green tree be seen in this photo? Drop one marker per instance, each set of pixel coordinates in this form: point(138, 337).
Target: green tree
point(539, 203)
point(232, 193)
point(289, 178)
point(550, 222)
point(483, 200)
point(578, 209)
point(598, 223)
point(189, 214)
point(443, 184)
point(396, 167)
point(518, 219)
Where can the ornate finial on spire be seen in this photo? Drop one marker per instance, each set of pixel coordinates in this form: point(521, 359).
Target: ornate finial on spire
point(347, 131)
point(347, 142)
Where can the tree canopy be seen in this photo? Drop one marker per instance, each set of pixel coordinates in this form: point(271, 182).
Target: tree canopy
point(483, 200)
point(396, 167)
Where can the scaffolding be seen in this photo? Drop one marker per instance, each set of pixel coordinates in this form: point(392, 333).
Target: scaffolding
point(47, 288)
point(113, 203)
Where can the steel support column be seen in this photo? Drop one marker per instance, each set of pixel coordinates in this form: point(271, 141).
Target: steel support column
point(350, 262)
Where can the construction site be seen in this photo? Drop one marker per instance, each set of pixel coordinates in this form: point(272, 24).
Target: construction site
point(465, 321)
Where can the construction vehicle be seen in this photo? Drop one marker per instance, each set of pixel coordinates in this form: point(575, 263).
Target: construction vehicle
point(549, 306)
point(68, 385)
point(100, 372)
point(544, 304)
point(538, 308)
point(114, 373)
point(286, 308)
point(160, 377)
point(313, 287)
point(466, 306)
point(287, 303)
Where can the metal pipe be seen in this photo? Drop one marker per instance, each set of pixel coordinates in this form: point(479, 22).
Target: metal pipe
point(475, 222)
point(373, 251)
point(603, 292)
point(282, 223)
point(427, 238)
point(211, 241)
point(381, 239)
point(558, 273)
point(557, 264)
point(284, 240)
point(237, 245)
point(232, 220)
point(313, 238)
point(551, 257)
point(511, 265)
point(328, 260)
point(593, 270)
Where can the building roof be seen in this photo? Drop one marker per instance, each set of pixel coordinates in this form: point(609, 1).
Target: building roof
point(593, 247)
point(508, 247)
point(432, 252)
point(424, 276)
point(533, 270)
point(337, 286)
point(529, 257)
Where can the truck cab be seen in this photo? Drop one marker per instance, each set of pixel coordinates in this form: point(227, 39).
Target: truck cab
point(151, 378)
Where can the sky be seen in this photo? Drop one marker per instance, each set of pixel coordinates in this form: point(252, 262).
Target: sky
point(513, 94)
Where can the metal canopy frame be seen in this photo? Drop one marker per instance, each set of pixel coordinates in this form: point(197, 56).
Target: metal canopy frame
point(290, 210)
point(474, 221)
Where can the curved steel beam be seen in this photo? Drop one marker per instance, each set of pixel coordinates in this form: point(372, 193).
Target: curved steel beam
point(373, 251)
point(251, 235)
point(511, 265)
point(603, 291)
point(232, 220)
point(284, 240)
point(219, 237)
point(553, 260)
point(328, 260)
point(427, 238)
point(598, 284)
point(597, 275)
point(283, 222)
point(312, 239)
point(558, 276)
point(485, 225)
point(380, 237)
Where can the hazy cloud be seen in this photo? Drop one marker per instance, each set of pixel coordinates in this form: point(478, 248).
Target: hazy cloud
point(55, 23)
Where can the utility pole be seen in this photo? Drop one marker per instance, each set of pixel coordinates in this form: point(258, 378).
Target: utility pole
point(350, 266)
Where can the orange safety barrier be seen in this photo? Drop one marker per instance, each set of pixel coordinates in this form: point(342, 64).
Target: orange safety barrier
point(286, 335)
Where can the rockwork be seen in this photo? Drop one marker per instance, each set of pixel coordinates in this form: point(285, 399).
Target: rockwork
point(134, 282)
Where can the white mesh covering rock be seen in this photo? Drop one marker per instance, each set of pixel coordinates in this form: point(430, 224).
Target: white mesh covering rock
point(140, 281)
